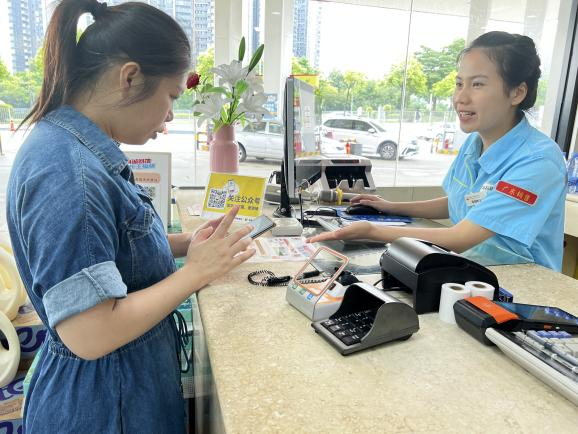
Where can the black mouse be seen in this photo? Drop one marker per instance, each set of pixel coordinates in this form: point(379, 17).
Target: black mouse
point(359, 209)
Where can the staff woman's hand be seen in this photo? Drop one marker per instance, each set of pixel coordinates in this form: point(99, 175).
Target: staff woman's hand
point(356, 230)
point(220, 252)
point(374, 201)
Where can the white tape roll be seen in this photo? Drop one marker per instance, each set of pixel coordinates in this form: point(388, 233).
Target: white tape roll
point(451, 292)
point(9, 358)
point(480, 289)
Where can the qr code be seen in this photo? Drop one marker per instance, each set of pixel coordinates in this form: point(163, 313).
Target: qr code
point(217, 198)
point(151, 191)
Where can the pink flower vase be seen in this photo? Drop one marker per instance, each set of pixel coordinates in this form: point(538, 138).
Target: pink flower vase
point(224, 151)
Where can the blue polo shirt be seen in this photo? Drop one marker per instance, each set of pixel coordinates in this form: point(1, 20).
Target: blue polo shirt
point(516, 189)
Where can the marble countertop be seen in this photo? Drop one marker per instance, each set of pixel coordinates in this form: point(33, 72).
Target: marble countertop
point(273, 373)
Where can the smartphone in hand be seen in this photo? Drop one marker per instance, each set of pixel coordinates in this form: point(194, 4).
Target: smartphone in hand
point(260, 225)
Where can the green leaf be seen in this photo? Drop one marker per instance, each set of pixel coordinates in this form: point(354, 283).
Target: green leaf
point(242, 49)
point(256, 57)
point(241, 87)
point(217, 90)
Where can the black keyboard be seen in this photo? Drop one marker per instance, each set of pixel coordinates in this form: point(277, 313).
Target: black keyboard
point(351, 328)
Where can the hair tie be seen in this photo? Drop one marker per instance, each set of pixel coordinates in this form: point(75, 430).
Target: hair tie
point(97, 10)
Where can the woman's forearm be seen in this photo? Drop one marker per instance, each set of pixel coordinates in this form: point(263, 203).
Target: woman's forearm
point(108, 326)
point(458, 238)
point(429, 209)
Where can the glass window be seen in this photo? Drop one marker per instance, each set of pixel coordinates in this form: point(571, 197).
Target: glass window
point(361, 126)
point(345, 124)
point(394, 65)
point(255, 127)
point(275, 128)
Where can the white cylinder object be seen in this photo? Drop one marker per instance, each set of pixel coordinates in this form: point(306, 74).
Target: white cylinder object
point(451, 292)
point(12, 294)
point(480, 289)
point(9, 358)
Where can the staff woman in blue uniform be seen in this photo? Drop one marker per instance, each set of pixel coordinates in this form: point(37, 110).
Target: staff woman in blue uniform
point(89, 246)
point(505, 190)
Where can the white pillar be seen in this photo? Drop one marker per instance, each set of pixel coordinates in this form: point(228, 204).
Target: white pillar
point(278, 40)
point(228, 30)
point(479, 16)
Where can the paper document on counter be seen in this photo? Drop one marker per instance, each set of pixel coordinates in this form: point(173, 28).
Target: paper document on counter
point(281, 249)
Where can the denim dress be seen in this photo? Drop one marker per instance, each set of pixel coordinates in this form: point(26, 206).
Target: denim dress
point(84, 233)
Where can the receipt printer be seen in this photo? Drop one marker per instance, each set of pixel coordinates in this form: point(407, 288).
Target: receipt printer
point(421, 267)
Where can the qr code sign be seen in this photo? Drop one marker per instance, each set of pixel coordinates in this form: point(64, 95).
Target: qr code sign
point(217, 198)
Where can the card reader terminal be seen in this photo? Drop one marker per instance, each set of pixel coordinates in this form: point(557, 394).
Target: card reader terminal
point(367, 317)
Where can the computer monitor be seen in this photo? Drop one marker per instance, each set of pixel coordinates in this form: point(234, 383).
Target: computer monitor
point(300, 119)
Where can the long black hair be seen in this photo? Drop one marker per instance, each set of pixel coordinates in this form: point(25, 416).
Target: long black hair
point(127, 32)
point(517, 61)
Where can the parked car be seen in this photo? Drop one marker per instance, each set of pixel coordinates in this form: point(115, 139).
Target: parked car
point(373, 137)
point(264, 139)
point(443, 137)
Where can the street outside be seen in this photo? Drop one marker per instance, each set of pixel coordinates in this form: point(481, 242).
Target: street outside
point(191, 167)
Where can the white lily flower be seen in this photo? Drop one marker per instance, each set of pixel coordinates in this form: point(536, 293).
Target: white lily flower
point(210, 107)
point(230, 74)
point(255, 83)
point(253, 103)
point(217, 104)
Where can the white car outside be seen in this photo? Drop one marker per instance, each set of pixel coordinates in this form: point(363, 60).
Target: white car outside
point(373, 138)
point(264, 140)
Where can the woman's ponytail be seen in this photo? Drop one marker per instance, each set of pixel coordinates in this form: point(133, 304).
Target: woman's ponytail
point(59, 57)
point(131, 31)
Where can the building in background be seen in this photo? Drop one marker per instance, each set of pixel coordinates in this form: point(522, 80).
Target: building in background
point(300, 20)
point(203, 27)
point(314, 33)
point(307, 30)
point(255, 26)
point(22, 24)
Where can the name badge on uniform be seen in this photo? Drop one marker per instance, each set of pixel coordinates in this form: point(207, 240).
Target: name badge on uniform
point(474, 198)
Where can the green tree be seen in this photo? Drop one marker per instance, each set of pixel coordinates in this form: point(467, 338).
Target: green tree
point(445, 87)
point(438, 64)
point(205, 62)
point(300, 65)
point(4, 73)
point(335, 77)
point(541, 95)
point(416, 82)
point(353, 83)
point(331, 98)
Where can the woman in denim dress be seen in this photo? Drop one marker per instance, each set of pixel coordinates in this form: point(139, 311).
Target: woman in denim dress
point(89, 246)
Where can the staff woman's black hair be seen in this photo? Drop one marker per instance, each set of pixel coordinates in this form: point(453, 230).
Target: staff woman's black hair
point(127, 32)
point(516, 58)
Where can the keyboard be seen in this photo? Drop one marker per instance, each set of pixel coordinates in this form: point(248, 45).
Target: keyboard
point(351, 328)
point(552, 356)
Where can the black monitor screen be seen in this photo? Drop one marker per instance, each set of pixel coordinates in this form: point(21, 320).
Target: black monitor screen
point(301, 119)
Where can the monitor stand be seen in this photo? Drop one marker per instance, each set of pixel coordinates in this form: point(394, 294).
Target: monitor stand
point(284, 209)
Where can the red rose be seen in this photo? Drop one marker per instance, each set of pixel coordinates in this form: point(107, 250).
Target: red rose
point(193, 80)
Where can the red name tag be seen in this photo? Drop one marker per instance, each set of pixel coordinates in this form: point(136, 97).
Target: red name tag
point(516, 192)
